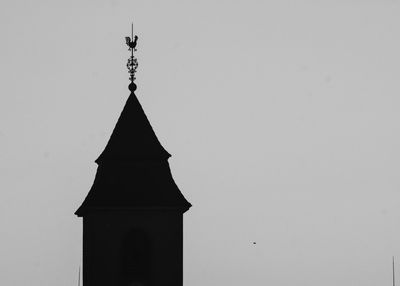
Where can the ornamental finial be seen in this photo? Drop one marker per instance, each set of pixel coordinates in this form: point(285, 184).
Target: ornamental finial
point(132, 61)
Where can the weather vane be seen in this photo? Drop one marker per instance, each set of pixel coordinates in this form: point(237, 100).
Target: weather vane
point(132, 61)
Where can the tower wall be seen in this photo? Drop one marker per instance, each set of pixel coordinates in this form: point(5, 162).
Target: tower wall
point(135, 246)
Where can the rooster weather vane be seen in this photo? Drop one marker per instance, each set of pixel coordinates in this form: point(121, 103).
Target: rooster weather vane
point(132, 61)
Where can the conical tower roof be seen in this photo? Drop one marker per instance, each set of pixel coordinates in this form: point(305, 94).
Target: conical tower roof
point(133, 170)
point(133, 137)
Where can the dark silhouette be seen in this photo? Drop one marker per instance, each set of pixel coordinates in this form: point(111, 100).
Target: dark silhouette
point(130, 43)
point(132, 64)
point(133, 213)
point(136, 258)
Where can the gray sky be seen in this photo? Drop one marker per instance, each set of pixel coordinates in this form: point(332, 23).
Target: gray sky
point(282, 118)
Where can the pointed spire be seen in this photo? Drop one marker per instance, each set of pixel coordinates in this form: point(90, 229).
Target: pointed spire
point(133, 171)
point(133, 138)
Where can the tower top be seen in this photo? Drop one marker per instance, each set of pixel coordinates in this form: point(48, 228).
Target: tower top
point(133, 171)
point(132, 64)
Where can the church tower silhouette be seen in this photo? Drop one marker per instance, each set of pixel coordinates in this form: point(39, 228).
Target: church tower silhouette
point(133, 213)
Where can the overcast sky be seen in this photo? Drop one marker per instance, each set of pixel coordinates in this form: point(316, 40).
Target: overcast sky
point(282, 118)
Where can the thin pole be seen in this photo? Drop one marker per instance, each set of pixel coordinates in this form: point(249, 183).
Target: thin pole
point(393, 270)
point(132, 37)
